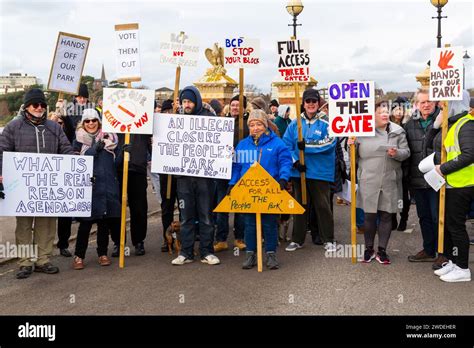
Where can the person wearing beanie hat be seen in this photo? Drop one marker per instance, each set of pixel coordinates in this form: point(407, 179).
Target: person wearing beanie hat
point(283, 119)
point(81, 102)
point(32, 132)
point(196, 197)
point(106, 204)
point(320, 159)
point(217, 106)
point(237, 98)
point(258, 103)
point(399, 111)
point(274, 107)
point(167, 107)
point(274, 156)
point(83, 92)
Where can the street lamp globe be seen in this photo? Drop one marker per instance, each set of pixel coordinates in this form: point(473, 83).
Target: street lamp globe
point(438, 3)
point(294, 7)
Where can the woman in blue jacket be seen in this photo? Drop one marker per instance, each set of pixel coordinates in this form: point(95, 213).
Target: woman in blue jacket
point(106, 207)
point(269, 150)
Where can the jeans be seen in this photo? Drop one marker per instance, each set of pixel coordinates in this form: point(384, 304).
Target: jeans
point(269, 230)
point(155, 181)
point(195, 198)
point(427, 210)
point(222, 219)
point(360, 217)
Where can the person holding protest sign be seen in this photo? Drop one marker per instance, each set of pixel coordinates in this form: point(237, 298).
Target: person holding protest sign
point(195, 197)
point(106, 205)
point(380, 180)
point(34, 133)
point(459, 174)
point(320, 159)
point(274, 156)
point(222, 219)
point(425, 197)
point(260, 104)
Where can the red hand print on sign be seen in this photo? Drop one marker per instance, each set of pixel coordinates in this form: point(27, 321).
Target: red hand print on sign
point(444, 60)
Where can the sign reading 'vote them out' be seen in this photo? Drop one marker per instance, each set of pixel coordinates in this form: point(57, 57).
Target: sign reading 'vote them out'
point(128, 52)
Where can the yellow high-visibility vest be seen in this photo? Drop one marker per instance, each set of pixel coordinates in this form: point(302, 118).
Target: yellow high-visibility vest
point(465, 176)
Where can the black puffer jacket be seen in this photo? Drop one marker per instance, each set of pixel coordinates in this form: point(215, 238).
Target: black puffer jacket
point(416, 137)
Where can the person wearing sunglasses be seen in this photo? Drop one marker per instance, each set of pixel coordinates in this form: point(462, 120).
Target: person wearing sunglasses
point(320, 159)
point(33, 132)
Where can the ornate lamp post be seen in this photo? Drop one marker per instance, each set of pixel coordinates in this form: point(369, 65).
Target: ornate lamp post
point(465, 58)
point(294, 8)
point(439, 5)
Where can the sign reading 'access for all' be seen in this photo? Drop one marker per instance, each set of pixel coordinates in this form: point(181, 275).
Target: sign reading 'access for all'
point(351, 109)
point(128, 110)
point(193, 145)
point(242, 52)
point(258, 192)
point(446, 73)
point(179, 49)
point(68, 63)
point(46, 185)
point(128, 52)
point(293, 60)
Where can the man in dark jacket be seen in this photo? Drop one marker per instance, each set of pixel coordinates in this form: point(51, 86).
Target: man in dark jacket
point(425, 197)
point(195, 197)
point(32, 132)
point(75, 109)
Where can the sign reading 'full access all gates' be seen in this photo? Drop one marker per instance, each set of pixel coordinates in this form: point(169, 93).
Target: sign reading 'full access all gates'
point(351, 109)
point(293, 60)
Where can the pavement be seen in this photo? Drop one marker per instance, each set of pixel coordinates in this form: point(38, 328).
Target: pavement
point(308, 283)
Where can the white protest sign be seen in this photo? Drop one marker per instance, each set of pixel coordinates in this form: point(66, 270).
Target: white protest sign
point(446, 73)
point(193, 145)
point(46, 185)
point(128, 52)
point(179, 49)
point(68, 63)
point(242, 52)
point(293, 60)
point(128, 110)
point(351, 109)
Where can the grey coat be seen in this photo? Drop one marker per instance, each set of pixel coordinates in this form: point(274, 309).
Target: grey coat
point(380, 176)
point(20, 135)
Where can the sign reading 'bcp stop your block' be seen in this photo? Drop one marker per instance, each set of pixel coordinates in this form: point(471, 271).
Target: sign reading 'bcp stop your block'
point(242, 52)
point(351, 109)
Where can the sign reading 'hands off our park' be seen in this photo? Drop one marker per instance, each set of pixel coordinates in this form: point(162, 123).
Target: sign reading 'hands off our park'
point(446, 73)
point(46, 185)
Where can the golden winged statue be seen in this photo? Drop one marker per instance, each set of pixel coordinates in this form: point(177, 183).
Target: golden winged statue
point(215, 56)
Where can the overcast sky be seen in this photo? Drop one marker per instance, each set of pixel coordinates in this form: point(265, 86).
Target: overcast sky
point(385, 41)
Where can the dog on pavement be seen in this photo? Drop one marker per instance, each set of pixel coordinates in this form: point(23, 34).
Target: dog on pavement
point(172, 237)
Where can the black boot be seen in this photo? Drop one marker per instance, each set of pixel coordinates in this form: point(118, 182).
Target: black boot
point(250, 261)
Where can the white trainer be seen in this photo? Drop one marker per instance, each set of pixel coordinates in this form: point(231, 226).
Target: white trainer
point(181, 260)
point(331, 247)
point(293, 246)
point(446, 267)
point(211, 260)
point(457, 275)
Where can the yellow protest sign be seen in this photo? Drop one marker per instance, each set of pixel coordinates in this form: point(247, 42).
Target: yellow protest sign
point(258, 192)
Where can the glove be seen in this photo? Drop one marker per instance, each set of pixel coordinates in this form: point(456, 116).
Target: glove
point(2, 194)
point(126, 148)
point(92, 180)
point(299, 167)
point(229, 188)
point(283, 184)
point(301, 145)
point(99, 146)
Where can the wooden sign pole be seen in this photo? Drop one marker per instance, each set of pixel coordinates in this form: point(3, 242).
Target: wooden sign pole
point(300, 138)
point(259, 242)
point(442, 192)
point(175, 108)
point(353, 201)
point(241, 103)
point(123, 224)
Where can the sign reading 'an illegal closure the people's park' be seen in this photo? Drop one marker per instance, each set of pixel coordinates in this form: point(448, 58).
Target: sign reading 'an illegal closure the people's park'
point(193, 145)
point(446, 73)
point(351, 109)
point(46, 185)
point(128, 110)
point(68, 63)
point(293, 60)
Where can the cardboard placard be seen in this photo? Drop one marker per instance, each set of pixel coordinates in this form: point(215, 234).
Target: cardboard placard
point(191, 145)
point(293, 60)
point(258, 192)
point(446, 73)
point(351, 109)
point(46, 185)
point(68, 63)
point(128, 52)
point(128, 110)
point(242, 52)
point(179, 49)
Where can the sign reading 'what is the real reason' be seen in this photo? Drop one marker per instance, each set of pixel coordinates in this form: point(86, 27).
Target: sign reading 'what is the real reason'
point(446, 73)
point(68, 63)
point(293, 60)
point(128, 110)
point(128, 52)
